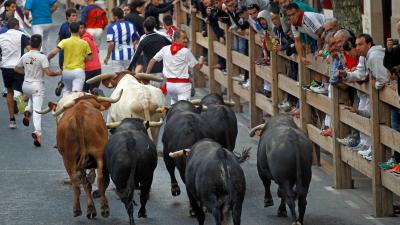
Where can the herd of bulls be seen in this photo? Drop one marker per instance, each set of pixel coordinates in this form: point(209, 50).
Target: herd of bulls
point(198, 139)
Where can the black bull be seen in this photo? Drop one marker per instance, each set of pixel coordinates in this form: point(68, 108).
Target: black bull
point(214, 180)
point(285, 156)
point(131, 158)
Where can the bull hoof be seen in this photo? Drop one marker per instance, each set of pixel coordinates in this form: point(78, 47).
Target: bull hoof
point(192, 213)
point(282, 213)
point(268, 202)
point(175, 190)
point(105, 211)
point(91, 212)
point(77, 213)
point(96, 194)
point(142, 213)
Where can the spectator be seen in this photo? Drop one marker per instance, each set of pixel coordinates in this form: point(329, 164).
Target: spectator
point(137, 8)
point(64, 31)
point(41, 18)
point(92, 66)
point(169, 25)
point(9, 10)
point(154, 8)
point(12, 44)
point(149, 45)
point(177, 59)
point(34, 65)
point(76, 51)
point(126, 9)
point(95, 19)
point(283, 14)
point(120, 37)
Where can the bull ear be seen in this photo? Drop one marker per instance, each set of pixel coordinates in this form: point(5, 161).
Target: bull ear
point(52, 106)
point(104, 105)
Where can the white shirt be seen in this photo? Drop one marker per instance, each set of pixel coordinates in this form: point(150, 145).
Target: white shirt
point(310, 24)
point(11, 44)
point(176, 66)
point(33, 63)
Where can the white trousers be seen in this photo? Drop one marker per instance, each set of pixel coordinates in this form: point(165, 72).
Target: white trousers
point(119, 65)
point(35, 92)
point(328, 119)
point(364, 105)
point(43, 30)
point(97, 34)
point(179, 91)
point(73, 80)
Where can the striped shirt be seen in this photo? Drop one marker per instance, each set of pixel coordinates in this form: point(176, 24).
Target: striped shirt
point(310, 24)
point(122, 33)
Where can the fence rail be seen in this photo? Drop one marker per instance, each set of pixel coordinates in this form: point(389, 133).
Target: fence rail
point(383, 138)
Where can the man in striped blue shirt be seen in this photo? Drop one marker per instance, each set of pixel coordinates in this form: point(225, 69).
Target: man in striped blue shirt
point(120, 37)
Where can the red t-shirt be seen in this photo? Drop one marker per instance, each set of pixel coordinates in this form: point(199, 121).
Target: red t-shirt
point(94, 63)
point(350, 61)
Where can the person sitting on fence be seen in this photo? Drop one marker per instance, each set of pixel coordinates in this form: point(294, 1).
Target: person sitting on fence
point(177, 59)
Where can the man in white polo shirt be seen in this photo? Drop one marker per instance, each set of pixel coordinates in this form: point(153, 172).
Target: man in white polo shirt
point(309, 23)
point(176, 62)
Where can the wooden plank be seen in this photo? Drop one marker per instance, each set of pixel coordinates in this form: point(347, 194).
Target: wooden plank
point(318, 65)
point(198, 15)
point(220, 49)
point(288, 85)
point(319, 101)
point(390, 96)
point(241, 92)
point(364, 87)
point(186, 10)
point(356, 161)
point(258, 40)
point(323, 141)
point(265, 72)
point(202, 41)
point(390, 137)
point(297, 121)
point(221, 78)
point(205, 70)
point(354, 120)
point(241, 60)
point(391, 182)
point(264, 104)
point(291, 58)
point(239, 35)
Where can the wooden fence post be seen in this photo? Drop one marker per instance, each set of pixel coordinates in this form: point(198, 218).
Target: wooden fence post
point(231, 70)
point(215, 87)
point(199, 80)
point(274, 84)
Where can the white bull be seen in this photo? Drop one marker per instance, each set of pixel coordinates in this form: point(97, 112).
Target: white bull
point(137, 101)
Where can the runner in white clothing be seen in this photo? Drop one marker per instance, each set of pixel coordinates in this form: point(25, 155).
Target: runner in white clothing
point(34, 64)
point(176, 62)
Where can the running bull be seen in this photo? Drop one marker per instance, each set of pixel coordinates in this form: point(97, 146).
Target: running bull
point(81, 137)
point(131, 158)
point(214, 181)
point(139, 100)
point(286, 162)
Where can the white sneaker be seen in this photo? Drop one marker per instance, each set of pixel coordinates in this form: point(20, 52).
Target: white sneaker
point(365, 152)
point(246, 84)
point(284, 105)
point(319, 89)
point(12, 124)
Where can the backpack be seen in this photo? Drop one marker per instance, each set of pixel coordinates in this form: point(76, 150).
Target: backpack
point(96, 18)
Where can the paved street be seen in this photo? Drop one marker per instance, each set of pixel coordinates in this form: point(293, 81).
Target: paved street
point(31, 191)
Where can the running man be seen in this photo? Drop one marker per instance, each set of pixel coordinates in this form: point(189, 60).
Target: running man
point(177, 59)
point(76, 51)
point(34, 64)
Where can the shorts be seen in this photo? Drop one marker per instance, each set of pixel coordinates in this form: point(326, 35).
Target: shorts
point(12, 79)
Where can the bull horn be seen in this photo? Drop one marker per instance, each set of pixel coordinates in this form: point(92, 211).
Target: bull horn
point(179, 153)
point(253, 131)
point(162, 109)
point(113, 125)
point(111, 100)
point(229, 103)
point(101, 77)
point(156, 124)
point(204, 108)
point(195, 101)
point(146, 76)
point(44, 111)
point(66, 106)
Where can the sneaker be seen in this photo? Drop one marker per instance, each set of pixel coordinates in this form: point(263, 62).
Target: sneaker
point(368, 157)
point(59, 88)
point(4, 92)
point(347, 141)
point(314, 84)
point(284, 105)
point(246, 84)
point(387, 165)
point(359, 147)
point(319, 89)
point(365, 153)
point(37, 139)
point(12, 124)
point(326, 132)
point(396, 168)
point(27, 118)
point(20, 103)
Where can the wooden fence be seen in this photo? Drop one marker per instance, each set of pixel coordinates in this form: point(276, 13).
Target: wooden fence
point(383, 138)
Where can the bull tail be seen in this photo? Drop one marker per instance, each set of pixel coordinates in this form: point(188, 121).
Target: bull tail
point(82, 147)
point(130, 187)
point(224, 200)
point(244, 155)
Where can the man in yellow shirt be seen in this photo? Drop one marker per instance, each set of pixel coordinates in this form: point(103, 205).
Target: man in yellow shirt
point(76, 51)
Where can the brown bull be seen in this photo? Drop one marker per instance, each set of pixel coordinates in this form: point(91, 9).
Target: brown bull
point(81, 137)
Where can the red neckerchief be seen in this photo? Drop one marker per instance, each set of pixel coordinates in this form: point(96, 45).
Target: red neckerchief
point(300, 20)
point(175, 47)
point(171, 30)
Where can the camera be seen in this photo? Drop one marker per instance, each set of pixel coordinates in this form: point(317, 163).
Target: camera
point(395, 41)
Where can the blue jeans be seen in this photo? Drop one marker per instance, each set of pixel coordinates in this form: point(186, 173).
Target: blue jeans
point(240, 45)
point(395, 124)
